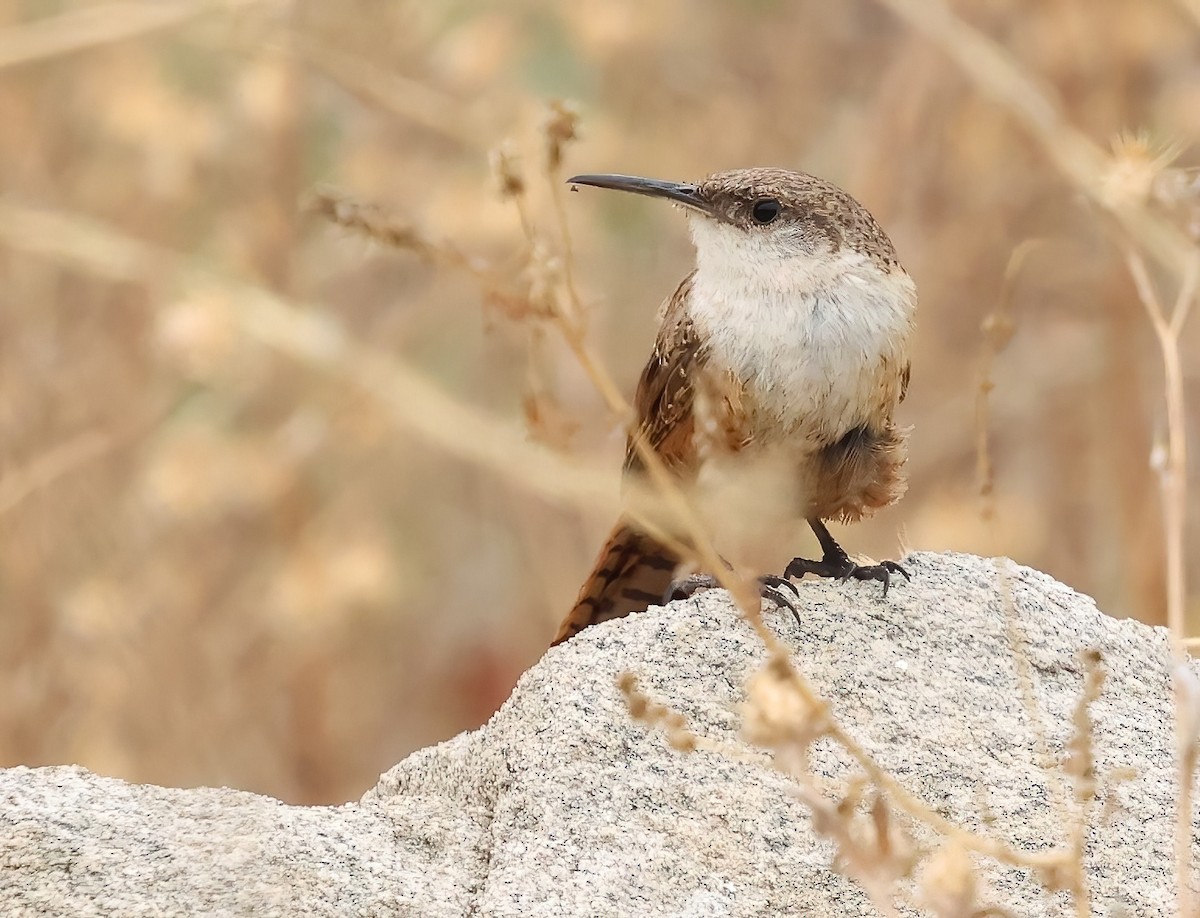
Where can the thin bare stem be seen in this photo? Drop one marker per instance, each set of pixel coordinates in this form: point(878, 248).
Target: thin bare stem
point(315, 338)
point(1173, 486)
point(997, 328)
point(1025, 681)
point(997, 74)
point(1187, 296)
point(1173, 473)
point(1085, 165)
point(93, 27)
point(63, 459)
point(373, 222)
point(1191, 7)
point(403, 98)
point(782, 668)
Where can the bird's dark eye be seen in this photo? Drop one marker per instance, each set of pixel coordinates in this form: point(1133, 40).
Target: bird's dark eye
point(765, 210)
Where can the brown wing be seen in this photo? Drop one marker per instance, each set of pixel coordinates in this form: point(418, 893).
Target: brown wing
point(665, 394)
point(634, 570)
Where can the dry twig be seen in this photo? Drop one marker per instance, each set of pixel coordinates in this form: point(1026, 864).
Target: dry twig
point(93, 27)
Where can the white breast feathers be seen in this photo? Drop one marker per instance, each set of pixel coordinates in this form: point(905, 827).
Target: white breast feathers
point(820, 340)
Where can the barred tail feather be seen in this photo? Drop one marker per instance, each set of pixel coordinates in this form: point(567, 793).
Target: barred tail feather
point(632, 572)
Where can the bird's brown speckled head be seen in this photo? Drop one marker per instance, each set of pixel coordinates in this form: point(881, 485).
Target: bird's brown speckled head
point(788, 213)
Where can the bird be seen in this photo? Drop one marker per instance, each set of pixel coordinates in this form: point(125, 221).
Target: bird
point(779, 363)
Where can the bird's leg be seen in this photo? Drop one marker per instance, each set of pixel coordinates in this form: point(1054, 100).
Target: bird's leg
point(769, 587)
point(836, 563)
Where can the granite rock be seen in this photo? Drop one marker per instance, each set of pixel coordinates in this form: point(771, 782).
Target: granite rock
point(564, 805)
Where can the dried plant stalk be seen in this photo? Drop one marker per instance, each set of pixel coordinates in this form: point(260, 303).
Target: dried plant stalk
point(1122, 187)
point(79, 30)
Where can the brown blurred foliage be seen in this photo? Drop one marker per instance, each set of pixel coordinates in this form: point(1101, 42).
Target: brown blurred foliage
point(222, 564)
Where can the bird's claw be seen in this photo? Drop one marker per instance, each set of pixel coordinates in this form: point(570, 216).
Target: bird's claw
point(882, 572)
point(769, 587)
point(842, 568)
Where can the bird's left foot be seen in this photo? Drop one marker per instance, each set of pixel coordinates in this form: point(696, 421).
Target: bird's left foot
point(769, 587)
point(841, 567)
point(836, 563)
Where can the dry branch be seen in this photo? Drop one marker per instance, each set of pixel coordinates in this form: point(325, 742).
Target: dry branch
point(81, 30)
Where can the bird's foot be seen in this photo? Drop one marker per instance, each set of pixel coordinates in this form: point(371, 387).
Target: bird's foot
point(840, 566)
point(769, 587)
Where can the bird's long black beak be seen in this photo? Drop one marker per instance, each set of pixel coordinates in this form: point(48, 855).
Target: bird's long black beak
point(688, 195)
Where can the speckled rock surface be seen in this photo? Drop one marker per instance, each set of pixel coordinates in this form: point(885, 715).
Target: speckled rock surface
point(74, 844)
point(561, 805)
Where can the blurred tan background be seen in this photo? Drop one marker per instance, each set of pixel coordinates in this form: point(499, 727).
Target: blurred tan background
point(222, 564)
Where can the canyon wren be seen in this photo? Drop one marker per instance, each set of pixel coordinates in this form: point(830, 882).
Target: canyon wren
point(785, 350)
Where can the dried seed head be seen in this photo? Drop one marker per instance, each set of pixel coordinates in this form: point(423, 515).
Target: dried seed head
point(999, 328)
point(948, 884)
point(369, 220)
point(637, 702)
point(658, 715)
point(1136, 165)
point(560, 128)
point(778, 714)
point(1080, 763)
point(506, 167)
point(547, 421)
